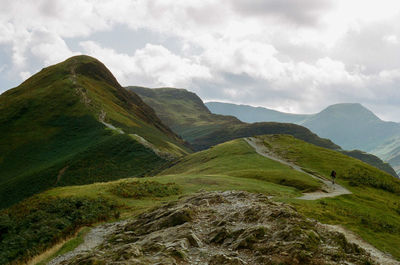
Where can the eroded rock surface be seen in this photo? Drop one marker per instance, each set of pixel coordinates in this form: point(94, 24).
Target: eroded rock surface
point(231, 227)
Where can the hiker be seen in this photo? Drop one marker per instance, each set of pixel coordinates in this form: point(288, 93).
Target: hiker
point(333, 176)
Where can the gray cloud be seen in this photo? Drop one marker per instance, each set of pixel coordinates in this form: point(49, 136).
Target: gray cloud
point(305, 12)
point(373, 46)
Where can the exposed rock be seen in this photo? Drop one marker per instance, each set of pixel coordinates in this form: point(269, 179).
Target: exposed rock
point(233, 228)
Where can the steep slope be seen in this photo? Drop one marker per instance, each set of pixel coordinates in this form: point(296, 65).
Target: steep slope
point(247, 113)
point(185, 113)
point(350, 125)
point(372, 160)
point(72, 123)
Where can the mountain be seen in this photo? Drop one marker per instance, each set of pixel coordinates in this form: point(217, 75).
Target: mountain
point(350, 125)
point(72, 123)
point(185, 113)
point(247, 113)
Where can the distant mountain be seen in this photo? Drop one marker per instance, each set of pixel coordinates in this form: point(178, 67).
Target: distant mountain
point(72, 123)
point(254, 114)
point(350, 125)
point(185, 113)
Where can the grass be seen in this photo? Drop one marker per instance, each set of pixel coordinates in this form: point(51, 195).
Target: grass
point(139, 190)
point(187, 184)
point(372, 211)
point(36, 224)
point(323, 161)
point(237, 159)
point(60, 248)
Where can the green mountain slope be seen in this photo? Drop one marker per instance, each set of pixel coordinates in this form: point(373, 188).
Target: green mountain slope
point(352, 126)
point(72, 123)
point(372, 160)
point(185, 113)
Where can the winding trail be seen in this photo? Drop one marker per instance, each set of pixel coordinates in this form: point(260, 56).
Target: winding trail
point(329, 189)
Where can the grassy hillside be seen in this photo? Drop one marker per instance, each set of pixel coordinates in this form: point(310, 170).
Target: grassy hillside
point(372, 160)
point(372, 210)
point(54, 130)
point(186, 114)
point(237, 159)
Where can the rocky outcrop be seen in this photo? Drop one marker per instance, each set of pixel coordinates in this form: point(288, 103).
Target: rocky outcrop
point(230, 227)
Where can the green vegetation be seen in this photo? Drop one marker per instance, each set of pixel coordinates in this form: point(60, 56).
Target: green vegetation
point(32, 226)
point(68, 246)
point(371, 211)
point(186, 114)
point(139, 190)
point(323, 161)
point(372, 160)
point(237, 159)
point(51, 134)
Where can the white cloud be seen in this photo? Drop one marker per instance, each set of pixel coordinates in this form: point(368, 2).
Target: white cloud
point(49, 47)
point(152, 65)
point(392, 39)
point(25, 75)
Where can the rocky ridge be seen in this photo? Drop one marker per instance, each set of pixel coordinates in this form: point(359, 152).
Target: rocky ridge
point(231, 227)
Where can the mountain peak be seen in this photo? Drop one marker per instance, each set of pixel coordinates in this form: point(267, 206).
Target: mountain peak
point(91, 67)
point(353, 111)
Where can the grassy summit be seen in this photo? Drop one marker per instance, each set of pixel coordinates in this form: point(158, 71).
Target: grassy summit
point(72, 123)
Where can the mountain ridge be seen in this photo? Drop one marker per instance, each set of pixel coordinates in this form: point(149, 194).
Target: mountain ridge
point(185, 113)
point(55, 130)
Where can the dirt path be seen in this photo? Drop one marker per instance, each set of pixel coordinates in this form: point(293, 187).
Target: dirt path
point(379, 256)
point(92, 240)
point(329, 189)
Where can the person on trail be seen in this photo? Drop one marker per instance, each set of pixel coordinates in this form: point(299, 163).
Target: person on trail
point(333, 176)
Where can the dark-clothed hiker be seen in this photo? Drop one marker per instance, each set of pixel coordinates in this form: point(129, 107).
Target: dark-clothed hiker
point(333, 176)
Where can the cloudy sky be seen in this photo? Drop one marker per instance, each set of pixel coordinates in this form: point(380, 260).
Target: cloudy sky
point(291, 55)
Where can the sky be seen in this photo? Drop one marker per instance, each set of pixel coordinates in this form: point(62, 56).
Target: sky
point(296, 56)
